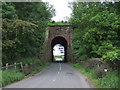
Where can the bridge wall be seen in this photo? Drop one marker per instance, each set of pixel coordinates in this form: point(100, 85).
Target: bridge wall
point(53, 31)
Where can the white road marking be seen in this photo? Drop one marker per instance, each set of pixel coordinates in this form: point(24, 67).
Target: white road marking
point(60, 66)
point(58, 73)
point(54, 80)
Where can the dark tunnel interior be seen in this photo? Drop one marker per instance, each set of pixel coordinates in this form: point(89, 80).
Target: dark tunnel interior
point(63, 42)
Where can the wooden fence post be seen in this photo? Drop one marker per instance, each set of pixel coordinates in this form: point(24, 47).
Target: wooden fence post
point(21, 66)
point(6, 66)
point(15, 65)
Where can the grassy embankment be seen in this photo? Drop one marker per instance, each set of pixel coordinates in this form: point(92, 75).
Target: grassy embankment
point(9, 76)
point(110, 80)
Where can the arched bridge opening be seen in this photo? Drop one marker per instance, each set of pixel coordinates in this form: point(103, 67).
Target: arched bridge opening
point(59, 41)
point(58, 35)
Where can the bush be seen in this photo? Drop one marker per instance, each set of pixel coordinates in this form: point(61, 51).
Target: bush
point(110, 80)
point(29, 60)
point(20, 39)
point(95, 31)
point(10, 76)
point(112, 55)
point(40, 67)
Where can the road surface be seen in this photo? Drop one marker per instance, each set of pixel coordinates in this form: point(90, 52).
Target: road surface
point(57, 75)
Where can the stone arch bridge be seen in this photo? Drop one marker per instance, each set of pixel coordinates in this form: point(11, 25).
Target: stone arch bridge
point(58, 34)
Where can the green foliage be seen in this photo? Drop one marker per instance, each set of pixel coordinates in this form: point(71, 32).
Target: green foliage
point(8, 11)
point(23, 33)
point(87, 71)
point(40, 67)
point(20, 39)
point(34, 12)
point(96, 30)
point(29, 60)
point(112, 55)
point(110, 80)
point(103, 48)
point(0, 78)
point(59, 57)
point(10, 76)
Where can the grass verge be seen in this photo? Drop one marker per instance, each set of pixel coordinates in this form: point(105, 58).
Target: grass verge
point(40, 67)
point(9, 76)
point(110, 80)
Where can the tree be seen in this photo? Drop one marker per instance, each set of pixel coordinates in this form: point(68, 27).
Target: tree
point(8, 11)
point(23, 29)
point(33, 11)
point(96, 31)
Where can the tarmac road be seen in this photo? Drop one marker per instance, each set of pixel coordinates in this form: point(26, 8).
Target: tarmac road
point(57, 75)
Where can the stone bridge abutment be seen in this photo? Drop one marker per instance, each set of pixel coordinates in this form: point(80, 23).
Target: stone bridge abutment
point(58, 34)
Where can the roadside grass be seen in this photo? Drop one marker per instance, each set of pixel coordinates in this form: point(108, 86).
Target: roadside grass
point(9, 76)
point(40, 67)
point(110, 80)
point(0, 78)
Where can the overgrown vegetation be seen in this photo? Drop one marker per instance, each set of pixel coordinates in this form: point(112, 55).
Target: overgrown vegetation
point(11, 75)
point(23, 33)
point(40, 67)
point(0, 78)
point(29, 60)
point(110, 80)
point(96, 31)
point(96, 34)
point(19, 40)
point(23, 30)
point(34, 12)
point(61, 57)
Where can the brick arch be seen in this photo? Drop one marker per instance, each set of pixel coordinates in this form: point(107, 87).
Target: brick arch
point(59, 35)
point(54, 33)
point(59, 39)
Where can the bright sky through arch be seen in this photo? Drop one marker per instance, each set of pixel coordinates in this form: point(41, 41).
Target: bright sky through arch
point(57, 50)
point(62, 9)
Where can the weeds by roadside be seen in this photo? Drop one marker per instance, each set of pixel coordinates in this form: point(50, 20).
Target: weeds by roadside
point(110, 80)
point(40, 67)
point(29, 60)
point(11, 75)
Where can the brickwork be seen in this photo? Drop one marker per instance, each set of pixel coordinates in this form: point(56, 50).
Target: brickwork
point(53, 32)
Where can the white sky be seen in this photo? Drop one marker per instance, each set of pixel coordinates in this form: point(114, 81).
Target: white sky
point(61, 7)
point(56, 51)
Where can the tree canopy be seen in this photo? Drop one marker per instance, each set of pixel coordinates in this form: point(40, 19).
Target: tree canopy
point(24, 25)
point(96, 30)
